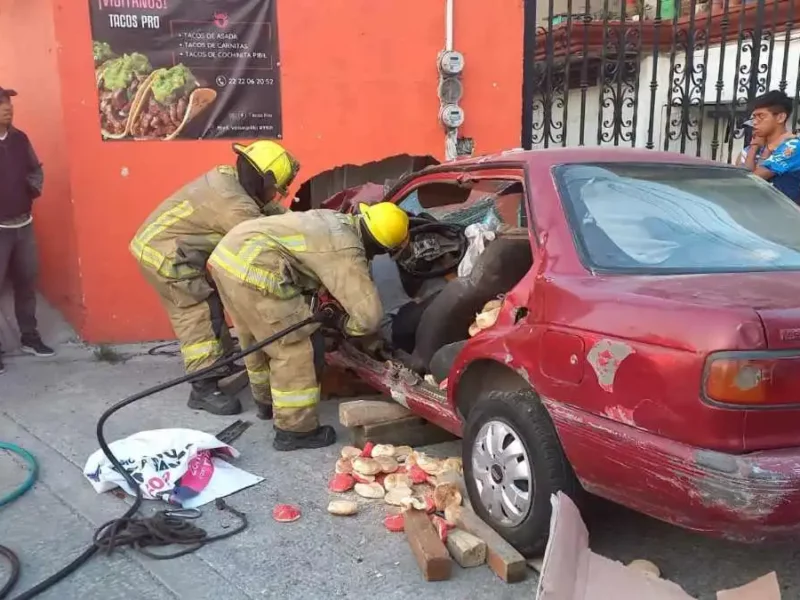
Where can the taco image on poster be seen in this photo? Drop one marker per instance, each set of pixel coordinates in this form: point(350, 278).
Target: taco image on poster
point(120, 85)
point(172, 97)
point(102, 54)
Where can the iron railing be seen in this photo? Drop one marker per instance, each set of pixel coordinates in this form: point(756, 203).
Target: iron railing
point(674, 75)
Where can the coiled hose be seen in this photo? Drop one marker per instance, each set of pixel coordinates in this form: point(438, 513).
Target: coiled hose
point(33, 471)
point(114, 528)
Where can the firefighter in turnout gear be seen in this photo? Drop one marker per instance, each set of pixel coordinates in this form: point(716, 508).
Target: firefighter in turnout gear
point(266, 270)
point(174, 243)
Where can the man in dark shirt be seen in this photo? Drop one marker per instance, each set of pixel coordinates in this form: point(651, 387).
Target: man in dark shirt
point(774, 152)
point(21, 180)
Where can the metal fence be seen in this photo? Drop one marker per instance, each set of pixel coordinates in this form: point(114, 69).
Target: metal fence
point(666, 74)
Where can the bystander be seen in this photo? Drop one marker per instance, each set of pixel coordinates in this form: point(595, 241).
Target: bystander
point(774, 151)
point(21, 180)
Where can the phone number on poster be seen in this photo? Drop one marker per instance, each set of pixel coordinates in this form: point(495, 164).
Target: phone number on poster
point(222, 81)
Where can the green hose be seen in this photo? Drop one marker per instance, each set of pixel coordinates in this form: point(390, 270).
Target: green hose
point(33, 471)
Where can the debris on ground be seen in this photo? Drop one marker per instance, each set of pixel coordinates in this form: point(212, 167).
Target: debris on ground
point(571, 571)
point(423, 496)
point(286, 513)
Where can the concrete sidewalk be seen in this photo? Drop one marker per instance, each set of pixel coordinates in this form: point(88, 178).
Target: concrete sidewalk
point(50, 407)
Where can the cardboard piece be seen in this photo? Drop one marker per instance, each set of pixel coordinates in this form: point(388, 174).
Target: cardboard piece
point(571, 571)
point(763, 588)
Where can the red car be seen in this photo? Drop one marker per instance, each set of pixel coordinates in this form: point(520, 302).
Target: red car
point(647, 348)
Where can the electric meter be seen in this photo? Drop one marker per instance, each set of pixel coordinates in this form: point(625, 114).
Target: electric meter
point(451, 62)
point(451, 116)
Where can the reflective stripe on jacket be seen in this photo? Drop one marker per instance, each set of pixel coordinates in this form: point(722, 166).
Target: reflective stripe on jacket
point(286, 255)
point(192, 221)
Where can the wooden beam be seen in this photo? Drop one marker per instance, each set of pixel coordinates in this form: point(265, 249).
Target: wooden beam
point(408, 431)
point(432, 556)
point(467, 550)
point(503, 559)
point(368, 412)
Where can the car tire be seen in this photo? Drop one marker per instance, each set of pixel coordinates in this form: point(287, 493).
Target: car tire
point(510, 422)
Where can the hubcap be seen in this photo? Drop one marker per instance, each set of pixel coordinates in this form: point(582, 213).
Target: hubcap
point(502, 473)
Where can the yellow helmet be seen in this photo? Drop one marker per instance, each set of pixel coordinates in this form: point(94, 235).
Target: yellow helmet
point(267, 156)
point(387, 223)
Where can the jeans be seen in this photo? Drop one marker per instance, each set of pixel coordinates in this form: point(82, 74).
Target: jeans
point(19, 264)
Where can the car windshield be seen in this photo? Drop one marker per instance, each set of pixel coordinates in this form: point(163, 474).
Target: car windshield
point(672, 218)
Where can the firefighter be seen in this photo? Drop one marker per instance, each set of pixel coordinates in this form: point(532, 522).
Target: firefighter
point(174, 243)
point(267, 269)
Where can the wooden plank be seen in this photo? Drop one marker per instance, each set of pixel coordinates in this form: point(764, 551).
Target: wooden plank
point(467, 550)
point(503, 559)
point(369, 412)
point(409, 431)
point(432, 556)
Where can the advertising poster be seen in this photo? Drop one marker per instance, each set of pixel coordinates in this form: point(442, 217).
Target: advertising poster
point(186, 69)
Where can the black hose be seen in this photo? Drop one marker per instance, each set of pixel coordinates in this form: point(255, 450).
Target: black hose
point(120, 523)
point(13, 562)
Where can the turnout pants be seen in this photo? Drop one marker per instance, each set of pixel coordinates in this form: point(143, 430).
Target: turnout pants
point(283, 373)
point(197, 317)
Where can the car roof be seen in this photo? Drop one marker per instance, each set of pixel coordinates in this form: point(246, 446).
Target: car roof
point(592, 154)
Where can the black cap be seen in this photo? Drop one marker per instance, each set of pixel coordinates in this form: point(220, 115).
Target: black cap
point(6, 93)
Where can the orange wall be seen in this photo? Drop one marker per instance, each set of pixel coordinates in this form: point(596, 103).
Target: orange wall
point(28, 64)
point(358, 83)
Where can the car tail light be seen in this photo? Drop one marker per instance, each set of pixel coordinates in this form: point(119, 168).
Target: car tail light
point(753, 380)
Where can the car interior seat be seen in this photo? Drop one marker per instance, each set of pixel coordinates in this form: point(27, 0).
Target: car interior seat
point(504, 262)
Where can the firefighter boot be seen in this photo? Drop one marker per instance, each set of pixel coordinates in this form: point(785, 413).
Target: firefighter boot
point(207, 396)
point(286, 441)
point(264, 411)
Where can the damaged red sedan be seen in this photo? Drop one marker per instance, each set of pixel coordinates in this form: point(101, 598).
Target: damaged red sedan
point(638, 335)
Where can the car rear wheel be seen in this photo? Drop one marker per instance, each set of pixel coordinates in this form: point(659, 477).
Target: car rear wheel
point(513, 463)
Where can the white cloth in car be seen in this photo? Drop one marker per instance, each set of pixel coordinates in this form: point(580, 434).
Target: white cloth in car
point(477, 235)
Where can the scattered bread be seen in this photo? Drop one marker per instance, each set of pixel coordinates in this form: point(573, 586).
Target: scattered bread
point(387, 463)
point(350, 452)
point(432, 466)
point(359, 478)
point(412, 502)
point(285, 513)
point(401, 453)
point(646, 567)
point(446, 494)
point(342, 482)
point(344, 465)
point(397, 480)
point(373, 491)
point(396, 496)
point(342, 508)
point(453, 464)
point(366, 466)
point(383, 450)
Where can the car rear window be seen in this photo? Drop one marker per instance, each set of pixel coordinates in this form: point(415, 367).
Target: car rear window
point(672, 218)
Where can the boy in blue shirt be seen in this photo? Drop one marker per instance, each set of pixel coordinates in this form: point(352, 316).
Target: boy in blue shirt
point(774, 152)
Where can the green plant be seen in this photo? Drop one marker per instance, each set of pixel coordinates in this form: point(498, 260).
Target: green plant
point(107, 354)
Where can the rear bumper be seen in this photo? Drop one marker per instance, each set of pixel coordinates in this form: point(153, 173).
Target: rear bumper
point(752, 497)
